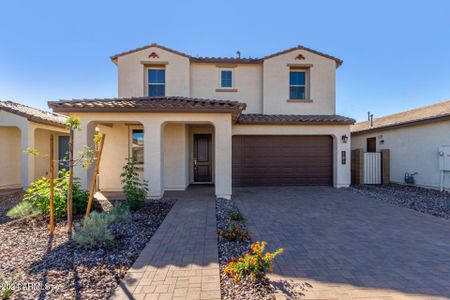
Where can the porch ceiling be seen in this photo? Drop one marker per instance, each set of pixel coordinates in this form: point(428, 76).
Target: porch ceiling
point(150, 104)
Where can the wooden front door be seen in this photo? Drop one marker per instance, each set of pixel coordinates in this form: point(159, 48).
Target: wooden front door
point(202, 158)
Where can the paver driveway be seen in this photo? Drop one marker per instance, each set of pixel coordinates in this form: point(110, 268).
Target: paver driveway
point(347, 246)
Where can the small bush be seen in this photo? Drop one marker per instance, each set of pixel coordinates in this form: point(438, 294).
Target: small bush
point(234, 232)
point(254, 264)
point(95, 231)
point(119, 214)
point(236, 216)
point(6, 288)
point(21, 210)
point(39, 195)
point(135, 190)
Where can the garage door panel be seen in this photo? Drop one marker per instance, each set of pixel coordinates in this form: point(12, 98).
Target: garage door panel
point(282, 160)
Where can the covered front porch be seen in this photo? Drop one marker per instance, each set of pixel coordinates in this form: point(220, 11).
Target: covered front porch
point(173, 150)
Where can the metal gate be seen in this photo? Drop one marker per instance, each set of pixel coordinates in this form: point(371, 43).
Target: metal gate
point(372, 168)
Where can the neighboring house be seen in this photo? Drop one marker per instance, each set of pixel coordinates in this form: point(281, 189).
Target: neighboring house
point(23, 127)
point(413, 137)
point(277, 127)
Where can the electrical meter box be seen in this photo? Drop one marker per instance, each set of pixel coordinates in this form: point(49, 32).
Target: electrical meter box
point(444, 158)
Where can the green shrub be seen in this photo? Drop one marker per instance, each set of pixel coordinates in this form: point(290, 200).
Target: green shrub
point(234, 232)
point(95, 231)
point(254, 264)
point(6, 288)
point(21, 210)
point(119, 214)
point(236, 216)
point(39, 195)
point(135, 190)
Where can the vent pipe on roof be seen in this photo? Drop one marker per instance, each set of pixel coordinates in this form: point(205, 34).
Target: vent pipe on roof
point(238, 54)
point(370, 119)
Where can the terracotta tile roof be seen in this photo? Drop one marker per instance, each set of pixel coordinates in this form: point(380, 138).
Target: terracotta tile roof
point(233, 60)
point(225, 60)
point(263, 119)
point(149, 104)
point(34, 114)
point(431, 113)
point(338, 61)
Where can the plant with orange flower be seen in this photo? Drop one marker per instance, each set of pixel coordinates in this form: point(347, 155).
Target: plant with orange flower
point(254, 264)
point(235, 232)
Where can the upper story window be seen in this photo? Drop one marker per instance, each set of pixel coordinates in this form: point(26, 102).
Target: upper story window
point(297, 84)
point(156, 81)
point(226, 79)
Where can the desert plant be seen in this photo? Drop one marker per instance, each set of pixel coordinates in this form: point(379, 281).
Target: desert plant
point(234, 232)
point(22, 209)
point(254, 264)
point(6, 288)
point(95, 231)
point(39, 195)
point(135, 190)
point(236, 216)
point(119, 214)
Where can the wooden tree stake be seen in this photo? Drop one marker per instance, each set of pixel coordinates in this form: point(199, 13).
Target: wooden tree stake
point(69, 200)
point(98, 156)
point(51, 175)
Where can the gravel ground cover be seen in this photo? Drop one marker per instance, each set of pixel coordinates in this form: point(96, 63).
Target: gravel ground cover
point(246, 289)
point(427, 201)
point(58, 268)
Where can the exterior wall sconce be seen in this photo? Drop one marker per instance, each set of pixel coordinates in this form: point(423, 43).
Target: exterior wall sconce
point(344, 138)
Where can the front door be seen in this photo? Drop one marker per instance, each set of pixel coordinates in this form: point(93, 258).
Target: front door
point(202, 158)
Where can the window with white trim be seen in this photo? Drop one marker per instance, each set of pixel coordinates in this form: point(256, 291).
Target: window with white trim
point(297, 84)
point(226, 79)
point(156, 81)
point(137, 146)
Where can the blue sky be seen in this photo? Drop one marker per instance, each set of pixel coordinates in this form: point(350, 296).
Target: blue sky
point(396, 53)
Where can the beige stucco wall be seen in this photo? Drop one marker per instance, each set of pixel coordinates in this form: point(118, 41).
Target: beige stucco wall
point(132, 75)
point(176, 149)
point(205, 80)
point(412, 149)
point(32, 135)
point(322, 84)
point(114, 155)
point(264, 87)
point(341, 176)
point(10, 157)
point(154, 124)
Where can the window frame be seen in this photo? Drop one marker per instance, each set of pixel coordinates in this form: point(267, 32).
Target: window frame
point(306, 85)
point(232, 79)
point(131, 129)
point(148, 84)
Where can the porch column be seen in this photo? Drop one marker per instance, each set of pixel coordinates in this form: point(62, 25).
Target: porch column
point(28, 160)
point(81, 138)
point(153, 158)
point(223, 135)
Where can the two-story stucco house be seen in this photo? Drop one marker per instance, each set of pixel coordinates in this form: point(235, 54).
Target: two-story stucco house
point(225, 121)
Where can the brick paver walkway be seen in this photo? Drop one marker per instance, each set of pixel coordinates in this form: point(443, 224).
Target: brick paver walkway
point(347, 246)
point(180, 261)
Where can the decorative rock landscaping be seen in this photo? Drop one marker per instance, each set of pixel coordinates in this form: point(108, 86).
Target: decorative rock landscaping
point(427, 201)
point(246, 288)
point(58, 268)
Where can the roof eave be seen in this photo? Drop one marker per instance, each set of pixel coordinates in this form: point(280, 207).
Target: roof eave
point(402, 124)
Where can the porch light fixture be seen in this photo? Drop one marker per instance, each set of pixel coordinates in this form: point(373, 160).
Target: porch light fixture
point(344, 138)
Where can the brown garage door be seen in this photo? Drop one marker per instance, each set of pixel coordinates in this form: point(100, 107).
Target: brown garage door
point(274, 160)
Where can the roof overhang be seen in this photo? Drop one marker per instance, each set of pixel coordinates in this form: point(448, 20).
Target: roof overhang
point(424, 121)
point(149, 105)
point(265, 119)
